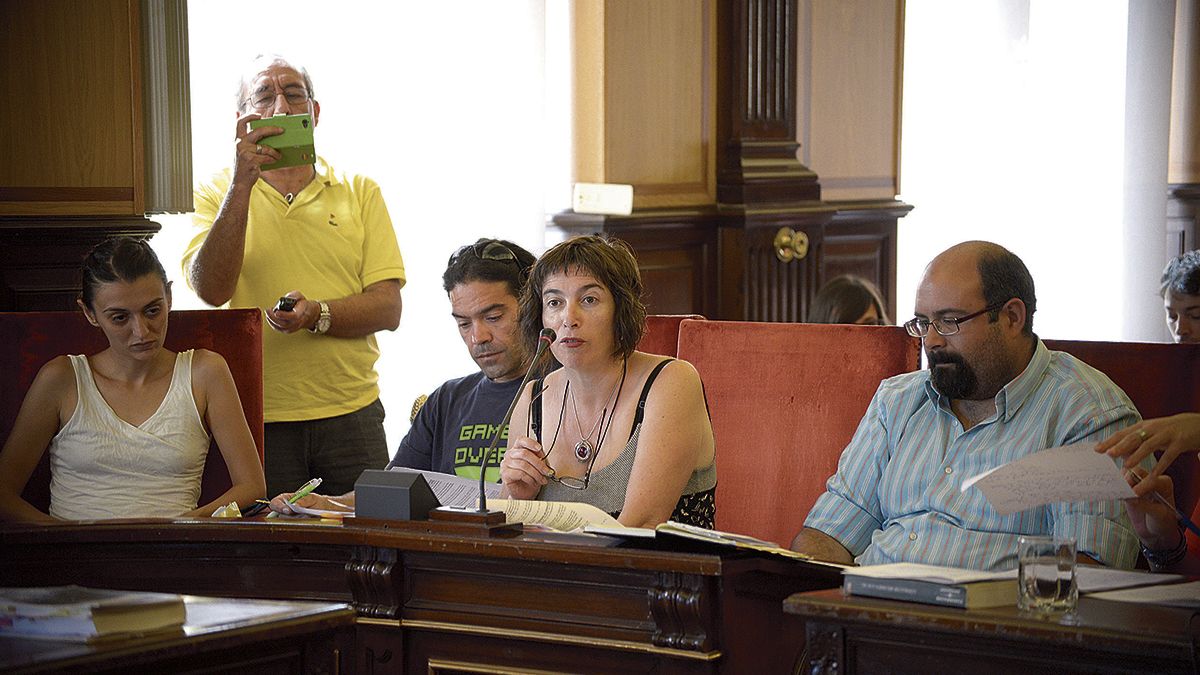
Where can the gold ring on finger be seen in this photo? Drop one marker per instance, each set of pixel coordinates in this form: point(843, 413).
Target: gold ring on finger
point(1142, 434)
point(258, 149)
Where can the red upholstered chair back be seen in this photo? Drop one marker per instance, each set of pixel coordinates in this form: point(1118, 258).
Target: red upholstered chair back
point(1161, 379)
point(30, 339)
point(785, 399)
point(662, 333)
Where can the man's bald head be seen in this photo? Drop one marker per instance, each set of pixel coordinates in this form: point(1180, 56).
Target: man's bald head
point(999, 274)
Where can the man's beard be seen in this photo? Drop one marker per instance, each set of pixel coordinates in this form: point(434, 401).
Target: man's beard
point(955, 378)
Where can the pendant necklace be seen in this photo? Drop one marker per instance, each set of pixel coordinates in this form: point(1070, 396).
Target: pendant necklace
point(584, 448)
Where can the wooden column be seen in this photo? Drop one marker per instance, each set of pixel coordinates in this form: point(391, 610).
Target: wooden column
point(1183, 168)
point(695, 103)
point(772, 217)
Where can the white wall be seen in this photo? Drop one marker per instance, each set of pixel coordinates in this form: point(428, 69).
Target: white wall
point(441, 103)
point(1015, 130)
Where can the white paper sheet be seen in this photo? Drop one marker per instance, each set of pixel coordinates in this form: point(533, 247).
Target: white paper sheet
point(933, 573)
point(1092, 578)
point(1174, 595)
point(1071, 473)
point(564, 516)
point(321, 513)
point(453, 490)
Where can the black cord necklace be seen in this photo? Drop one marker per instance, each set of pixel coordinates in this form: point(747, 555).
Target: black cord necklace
point(584, 448)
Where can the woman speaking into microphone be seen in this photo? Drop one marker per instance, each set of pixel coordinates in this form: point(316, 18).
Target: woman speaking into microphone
point(620, 429)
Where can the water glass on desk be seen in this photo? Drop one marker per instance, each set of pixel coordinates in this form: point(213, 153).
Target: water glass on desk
point(1047, 583)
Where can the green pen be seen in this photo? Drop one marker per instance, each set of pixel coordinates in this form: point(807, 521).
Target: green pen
point(298, 494)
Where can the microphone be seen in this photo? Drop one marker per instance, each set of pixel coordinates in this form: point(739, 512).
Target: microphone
point(545, 339)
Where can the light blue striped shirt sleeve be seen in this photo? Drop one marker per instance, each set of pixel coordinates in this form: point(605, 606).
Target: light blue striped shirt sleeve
point(896, 496)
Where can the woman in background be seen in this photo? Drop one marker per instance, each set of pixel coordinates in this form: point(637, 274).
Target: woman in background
point(128, 428)
point(1156, 523)
point(1180, 290)
point(848, 299)
point(620, 429)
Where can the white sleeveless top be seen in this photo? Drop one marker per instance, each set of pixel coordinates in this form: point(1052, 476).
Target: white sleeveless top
point(104, 467)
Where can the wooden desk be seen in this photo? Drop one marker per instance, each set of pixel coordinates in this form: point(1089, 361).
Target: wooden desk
point(868, 635)
point(221, 634)
point(428, 602)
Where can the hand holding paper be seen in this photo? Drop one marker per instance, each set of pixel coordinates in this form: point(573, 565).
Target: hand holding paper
point(1070, 473)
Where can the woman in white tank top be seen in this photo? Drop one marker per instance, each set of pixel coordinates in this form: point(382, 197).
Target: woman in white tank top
point(128, 428)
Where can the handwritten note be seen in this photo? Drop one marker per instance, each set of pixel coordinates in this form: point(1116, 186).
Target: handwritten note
point(1071, 473)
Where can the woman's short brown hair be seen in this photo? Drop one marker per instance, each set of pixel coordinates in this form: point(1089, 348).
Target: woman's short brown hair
point(612, 263)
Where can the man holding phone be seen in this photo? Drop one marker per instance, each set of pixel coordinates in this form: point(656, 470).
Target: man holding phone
point(322, 239)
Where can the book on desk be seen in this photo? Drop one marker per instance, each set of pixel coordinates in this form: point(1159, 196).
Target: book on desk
point(932, 585)
point(78, 614)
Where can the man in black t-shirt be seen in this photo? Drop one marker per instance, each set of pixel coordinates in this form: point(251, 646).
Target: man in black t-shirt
point(455, 426)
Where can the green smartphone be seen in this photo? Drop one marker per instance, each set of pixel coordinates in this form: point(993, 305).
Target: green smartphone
point(295, 143)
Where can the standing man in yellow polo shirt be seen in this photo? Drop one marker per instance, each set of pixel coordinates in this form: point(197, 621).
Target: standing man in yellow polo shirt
point(323, 238)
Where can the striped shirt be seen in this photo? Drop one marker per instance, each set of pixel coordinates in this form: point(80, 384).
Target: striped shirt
point(896, 497)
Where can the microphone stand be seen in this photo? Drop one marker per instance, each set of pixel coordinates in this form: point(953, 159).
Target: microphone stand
point(483, 515)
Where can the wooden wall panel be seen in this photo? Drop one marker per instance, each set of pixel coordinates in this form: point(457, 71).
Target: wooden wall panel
point(848, 118)
point(72, 117)
point(644, 88)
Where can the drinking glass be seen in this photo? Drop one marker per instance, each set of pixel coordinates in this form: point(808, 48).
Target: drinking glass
point(1047, 582)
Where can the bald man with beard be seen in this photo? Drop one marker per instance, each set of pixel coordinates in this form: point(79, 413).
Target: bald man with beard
point(992, 393)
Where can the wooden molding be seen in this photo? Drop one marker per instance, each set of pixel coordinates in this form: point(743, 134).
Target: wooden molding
point(756, 109)
point(66, 194)
point(40, 257)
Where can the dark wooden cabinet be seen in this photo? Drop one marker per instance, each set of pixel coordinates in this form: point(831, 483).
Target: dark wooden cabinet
point(676, 251)
point(439, 602)
point(847, 635)
point(1183, 217)
point(861, 240)
point(40, 258)
point(694, 262)
point(763, 277)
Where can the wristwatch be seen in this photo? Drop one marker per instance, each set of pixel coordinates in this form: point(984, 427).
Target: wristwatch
point(1160, 560)
point(322, 323)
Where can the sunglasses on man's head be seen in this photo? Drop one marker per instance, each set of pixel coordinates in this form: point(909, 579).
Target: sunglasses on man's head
point(485, 250)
